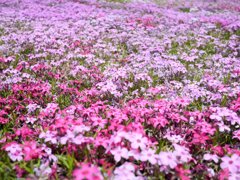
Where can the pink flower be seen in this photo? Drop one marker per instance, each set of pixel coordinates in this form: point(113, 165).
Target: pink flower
point(183, 173)
point(231, 163)
point(32, 107)
point(19, 171)
point(224, 174)
point(135, 154)
point(149, 155)
point(167, 159)
point(126, 167)
point(205, 127)
point(211, 157)
point(119, 153)
point(44, 171)
point(236, 134)
point(138, 141)
point(218, 150)
point(87, 171)
point(98, 121)
point(69, 136)
point(3, 120)
point(126, 171)
point(182, 153)
point(31, 120)
point(223, 127)
point(118, 137)
point(31, 151)
point(24, 131)
point(159, 121)
point(49, 136)
point(2, 60)
point(3, 115)
point(15, 152)
point(199, 138)
point(50, 109)
point(173, 138)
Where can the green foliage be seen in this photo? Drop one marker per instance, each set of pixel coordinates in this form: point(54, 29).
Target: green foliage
point(28, 49)
point(196, 104)
point(5, 93)
point(122, 47)
point(67, 162)
point(224, 100)
point(15, 63)
point(30, 165)
point(163, 145)
point(190, 44)
point(174, 48)
point(2, 31)
point(209, 48)
point(156, 80)
point(226, 35)
point(227, 78)
point(54, 87)
point(220, 33)
point(19, 25)
point(64, 100)
point(237, 32)
point(8, 127)
point(6, 167)
point(222, 138)
point(185, 9)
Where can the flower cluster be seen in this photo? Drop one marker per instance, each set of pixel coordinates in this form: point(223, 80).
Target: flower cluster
point(107, 90)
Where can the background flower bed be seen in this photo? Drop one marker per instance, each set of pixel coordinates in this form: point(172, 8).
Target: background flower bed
point(108, 90)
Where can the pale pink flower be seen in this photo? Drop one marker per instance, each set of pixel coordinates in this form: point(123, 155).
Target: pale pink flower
point(32, 107)
point(149, 155)
point(167, 159)
point(49, 136)
point(231, 163)
point(174, 138)
point(222, 127)
point(236, 134)
point(15, 152)
point(182, 153)
point(43, 171)
point(69, 136)
point(138, 141)
point(31, 120)
point(126, 171)
point(120, 153)
point(135, 154)
point(211, 157)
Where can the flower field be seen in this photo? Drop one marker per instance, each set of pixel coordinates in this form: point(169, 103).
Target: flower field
point(102, 90)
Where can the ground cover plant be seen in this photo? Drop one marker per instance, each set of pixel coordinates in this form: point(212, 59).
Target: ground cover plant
point(119, 89)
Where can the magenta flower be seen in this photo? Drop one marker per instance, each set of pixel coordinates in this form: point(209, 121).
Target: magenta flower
point(31, 151)
point(87, 171)
point(97, 121)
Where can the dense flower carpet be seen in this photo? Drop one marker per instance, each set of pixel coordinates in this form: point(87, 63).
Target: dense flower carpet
point(119, 90)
